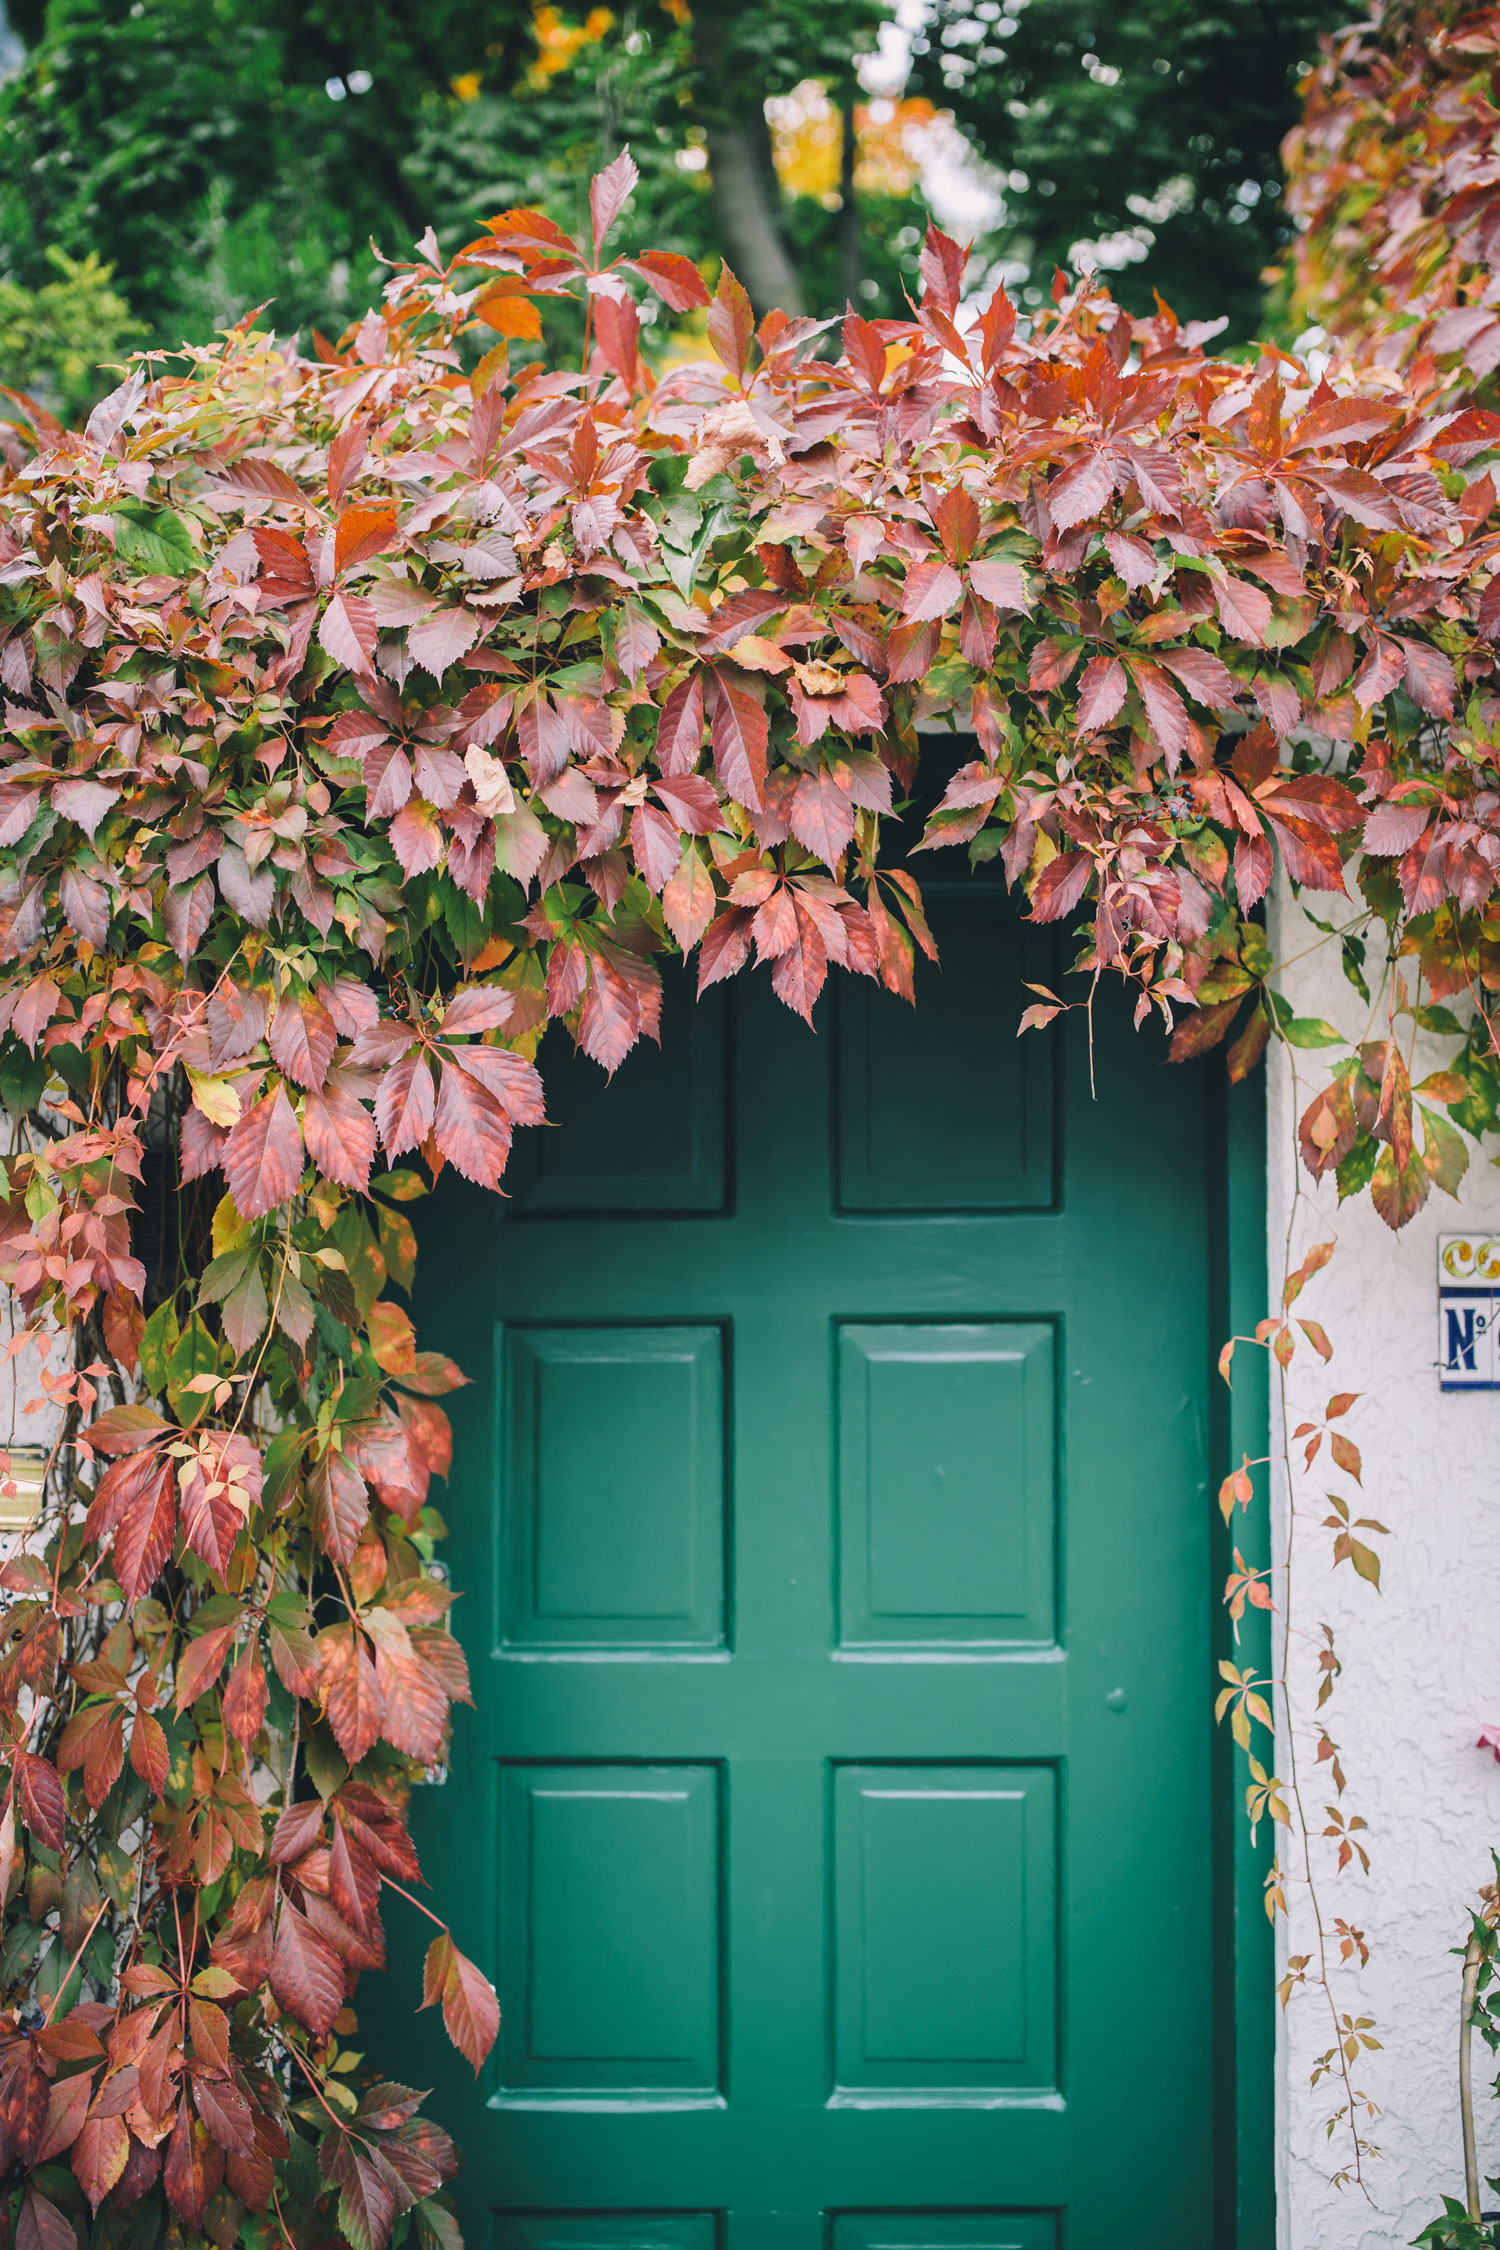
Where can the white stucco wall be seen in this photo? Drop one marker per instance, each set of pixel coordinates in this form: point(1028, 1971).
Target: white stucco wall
point(1421, 1668)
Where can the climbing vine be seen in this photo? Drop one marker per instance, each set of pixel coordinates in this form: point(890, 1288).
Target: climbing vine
point(368, 714)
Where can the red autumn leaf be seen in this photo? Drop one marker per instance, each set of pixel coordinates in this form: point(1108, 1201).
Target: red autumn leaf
point(932, 588)
point(97, 2157)
point(340, 1135)
point(348, 632)
point(1101, 692)
point(43, 1805)
point(731, 323)
point(1050, 664)
point(405, 1104)
point(302, 1040)
point(609, 1022)
point(822, 815)
point(201, 1663)
point(338, 1506)
point(430, 1431)
point(1165, 709)
point(307, 1976)
point(125, 1429)
point(655, 843)
point(150, 1755)
point(471, 2011)
point(381, 1449)
point(416, 1709)
point(351, 1691)
point(1060, 886)
point(1000, 583)
point(1244, 611)
point(1080, 492)
point(393, 1339)
point(344, 457)
point(609, 192)
point(1202, 673)
point(515, 1083)
point(66, 2109)
point(94, 1738)
point(245, 1695)
point(1429, 678)
point(471, 1128)
point(144, 1532)
point(739, 740)
point(297, 1830)
point(41, 2225)
point(675, 279)
point(263, 1157)
point(441, 639)
point(688, 901)
point(226, 2113)
point(800, 966)
point(220, 1486)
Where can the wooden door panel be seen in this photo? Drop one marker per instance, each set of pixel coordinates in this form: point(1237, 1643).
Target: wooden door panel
point(947, 1518)
point(612, 1508)
point(611, 1938)
point(944, 1939)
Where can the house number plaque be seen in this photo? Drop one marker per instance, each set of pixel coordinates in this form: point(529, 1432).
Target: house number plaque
point(1469, 1312)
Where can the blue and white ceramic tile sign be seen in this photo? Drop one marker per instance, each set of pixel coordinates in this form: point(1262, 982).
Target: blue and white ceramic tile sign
point(1469, 1312)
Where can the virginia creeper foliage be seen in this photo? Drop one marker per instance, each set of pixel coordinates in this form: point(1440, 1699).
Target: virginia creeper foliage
point(367, 714)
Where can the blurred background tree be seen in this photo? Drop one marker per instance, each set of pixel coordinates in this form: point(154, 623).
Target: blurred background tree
point(1142, 135)
point(218, 153)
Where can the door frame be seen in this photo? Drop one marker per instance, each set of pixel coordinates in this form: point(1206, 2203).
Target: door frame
point(1244, 2043)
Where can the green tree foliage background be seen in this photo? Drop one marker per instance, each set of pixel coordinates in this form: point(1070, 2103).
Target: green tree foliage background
point(194, 158)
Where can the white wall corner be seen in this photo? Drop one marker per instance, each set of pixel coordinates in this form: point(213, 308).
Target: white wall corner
point(1421, 1659)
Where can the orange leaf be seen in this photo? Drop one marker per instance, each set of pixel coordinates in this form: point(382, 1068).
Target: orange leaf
point(365, 529)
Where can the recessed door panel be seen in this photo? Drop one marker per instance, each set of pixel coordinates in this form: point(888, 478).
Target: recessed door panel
point(651, 1139)
point(945, 1929)
point(610, 1921)
point(613, 1509)
point(947, 1498)
point(941, 1107)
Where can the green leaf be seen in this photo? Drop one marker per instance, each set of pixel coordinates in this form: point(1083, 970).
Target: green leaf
point(194, 1353)
point(327, 1767)
point(1353, 951)
point(1365, 1561)
point(23, 1078)
point(1443, 1152)
point(1311, 1031)
point(400, 1186)
point(158, 1342)
point(283, 1462)
point(154, 540)
point(1358, 1167)
point(437, 2227)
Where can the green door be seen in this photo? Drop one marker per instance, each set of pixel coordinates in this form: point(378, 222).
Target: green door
point(831, 1513)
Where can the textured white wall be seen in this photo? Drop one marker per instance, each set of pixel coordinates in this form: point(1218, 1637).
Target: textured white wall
point(1421, 1666)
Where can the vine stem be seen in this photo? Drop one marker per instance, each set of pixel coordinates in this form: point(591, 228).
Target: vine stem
point(417, 1903)
point(1284, 1684)
point(1473, 1961)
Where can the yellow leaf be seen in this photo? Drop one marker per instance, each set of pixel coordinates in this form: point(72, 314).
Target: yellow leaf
point(230, 1231)
point(218, 1098)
